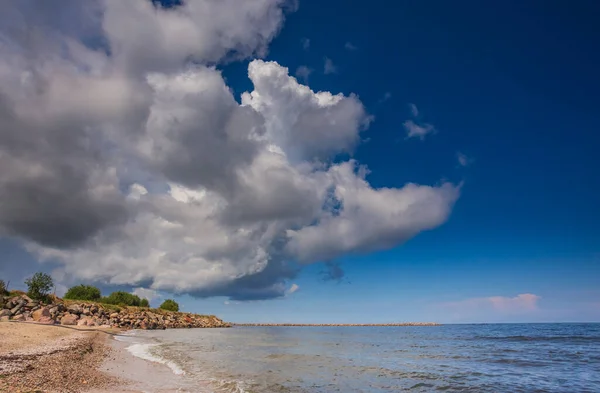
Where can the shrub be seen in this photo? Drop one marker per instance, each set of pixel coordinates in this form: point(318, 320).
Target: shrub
point(144, 303)
point(39, 286)
point(169, 305)
point(83, 292)
point(122, 298)
point(3, 290)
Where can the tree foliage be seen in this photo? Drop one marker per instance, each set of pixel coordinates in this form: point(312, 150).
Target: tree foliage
point(122, 298)
point(3, 289)
point(39, 286)
point(144, 303)
point(170, 305)
point(83, 292)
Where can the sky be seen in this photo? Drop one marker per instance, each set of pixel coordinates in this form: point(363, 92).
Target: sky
point(310, 161)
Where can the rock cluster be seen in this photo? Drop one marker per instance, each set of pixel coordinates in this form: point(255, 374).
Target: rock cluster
point(22, 308)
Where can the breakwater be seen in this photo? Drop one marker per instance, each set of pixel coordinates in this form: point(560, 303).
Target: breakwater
point(340, 324)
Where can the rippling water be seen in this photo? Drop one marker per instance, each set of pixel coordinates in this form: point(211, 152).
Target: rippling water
point(451, 358)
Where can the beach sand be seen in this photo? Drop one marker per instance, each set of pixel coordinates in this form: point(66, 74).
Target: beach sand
point(44, 358)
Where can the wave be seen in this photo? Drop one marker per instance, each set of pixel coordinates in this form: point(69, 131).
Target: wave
point(143, 351)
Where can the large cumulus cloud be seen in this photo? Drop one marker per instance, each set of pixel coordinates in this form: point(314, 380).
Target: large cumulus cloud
point(126, 158)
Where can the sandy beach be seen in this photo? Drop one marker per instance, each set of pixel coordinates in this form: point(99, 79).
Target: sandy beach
point(42, 358)
point(53, 359)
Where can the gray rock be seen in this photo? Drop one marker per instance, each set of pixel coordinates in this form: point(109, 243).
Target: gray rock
point(74, 309)
point(5, 313)
point(16, 309)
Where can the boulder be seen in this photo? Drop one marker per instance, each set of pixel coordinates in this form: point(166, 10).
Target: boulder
point(19, 317)
point(16, 309)
point(5, 318)
point(42, 312)
point(114, 315)
point(46, 321)
point(69, 319)
point(85, 321)
point(5, 313)
point(74, 309)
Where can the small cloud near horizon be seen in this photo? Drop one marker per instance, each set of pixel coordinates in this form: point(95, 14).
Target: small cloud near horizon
point(521, 303)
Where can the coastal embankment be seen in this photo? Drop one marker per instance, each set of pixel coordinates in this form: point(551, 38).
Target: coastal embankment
point(77, 313)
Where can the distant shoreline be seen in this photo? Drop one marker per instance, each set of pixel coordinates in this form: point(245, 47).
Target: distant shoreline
point(340, 324)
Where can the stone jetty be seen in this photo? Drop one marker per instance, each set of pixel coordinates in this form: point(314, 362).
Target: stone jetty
point(340, 324)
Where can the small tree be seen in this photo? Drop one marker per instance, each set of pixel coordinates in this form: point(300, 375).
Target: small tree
point(144, 303)
point(170, 305)
point(39, 286)
point(83, 292)
point(3, 286)
point(122, 298)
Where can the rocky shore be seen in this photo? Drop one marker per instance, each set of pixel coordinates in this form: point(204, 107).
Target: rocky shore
point(22, 308)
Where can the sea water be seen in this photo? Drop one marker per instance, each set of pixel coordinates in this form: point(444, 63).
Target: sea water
point(494, 358)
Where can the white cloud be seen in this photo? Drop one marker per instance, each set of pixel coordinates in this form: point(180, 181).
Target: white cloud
point(523, 303)
point(147, 172)
point(463, 160)
point(413, 110)
point(292, 289)
point(305, 43)
point(145, 293)
point(414, 130)
point(350, 46)
point(385, 97)
point(329, 68)
point(303, 72)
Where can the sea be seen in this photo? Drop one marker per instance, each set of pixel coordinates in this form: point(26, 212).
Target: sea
point(496, 358)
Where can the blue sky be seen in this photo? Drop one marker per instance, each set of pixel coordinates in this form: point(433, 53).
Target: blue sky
point(513, 88)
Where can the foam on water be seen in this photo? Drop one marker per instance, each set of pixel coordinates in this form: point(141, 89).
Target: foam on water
point(144, 351)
